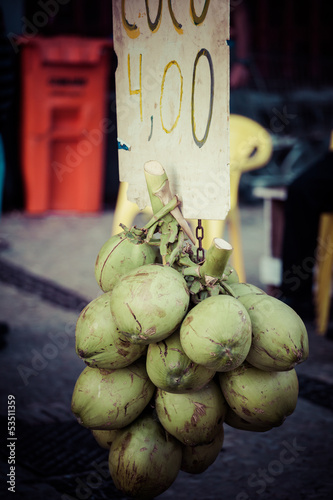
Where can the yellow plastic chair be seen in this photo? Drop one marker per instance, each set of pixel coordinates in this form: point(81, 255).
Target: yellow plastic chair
point(324, 266)
point(323, 279)
point(126, 211)
point(250, 148)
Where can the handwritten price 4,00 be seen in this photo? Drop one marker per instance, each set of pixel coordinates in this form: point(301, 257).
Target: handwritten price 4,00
point(133, 31)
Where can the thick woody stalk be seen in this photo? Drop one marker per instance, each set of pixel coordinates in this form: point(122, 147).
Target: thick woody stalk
point(156, 180)
point(216, 259)
point(160, 194)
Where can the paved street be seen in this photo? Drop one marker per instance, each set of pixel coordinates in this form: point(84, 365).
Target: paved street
point(46, 278)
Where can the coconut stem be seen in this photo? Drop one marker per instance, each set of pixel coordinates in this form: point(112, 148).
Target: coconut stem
point(216, 259)
point(227, 289)
point(192, 271)
point(160, 194)
point(177, 249)
point(156, 179)
point(171, 205)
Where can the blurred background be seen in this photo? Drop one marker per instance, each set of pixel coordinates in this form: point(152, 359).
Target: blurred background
point(289, 89)
point(58, 193)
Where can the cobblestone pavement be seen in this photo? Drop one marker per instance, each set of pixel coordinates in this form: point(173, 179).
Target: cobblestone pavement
point(46, 277)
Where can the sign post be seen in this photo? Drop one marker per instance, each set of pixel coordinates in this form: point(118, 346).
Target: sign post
point(172, 96)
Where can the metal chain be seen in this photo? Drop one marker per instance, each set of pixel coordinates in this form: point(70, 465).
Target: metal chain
point(199, 233)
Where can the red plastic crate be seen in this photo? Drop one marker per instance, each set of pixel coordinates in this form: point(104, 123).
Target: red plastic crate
point(64, 125)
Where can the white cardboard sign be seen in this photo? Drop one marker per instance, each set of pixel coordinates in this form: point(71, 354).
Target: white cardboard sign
point(172, 96)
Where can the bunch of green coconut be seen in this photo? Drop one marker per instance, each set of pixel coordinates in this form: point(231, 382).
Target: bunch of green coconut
point(176, 348)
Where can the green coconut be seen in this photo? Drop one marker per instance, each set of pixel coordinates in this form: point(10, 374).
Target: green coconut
point(230, 275)
point(237, 422)
point(120, 254)
point(197, 459)
point(195, 417)
point(111, 399)
point(104, 438)
point(280, 340)
point(170, 369)
point(240, 289)
point(260, 397)
point(98, 341)
point(216, 333)
point(149, 303)
point(144, 460)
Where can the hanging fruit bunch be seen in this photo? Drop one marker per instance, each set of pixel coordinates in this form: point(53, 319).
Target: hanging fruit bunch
point(175, 348)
